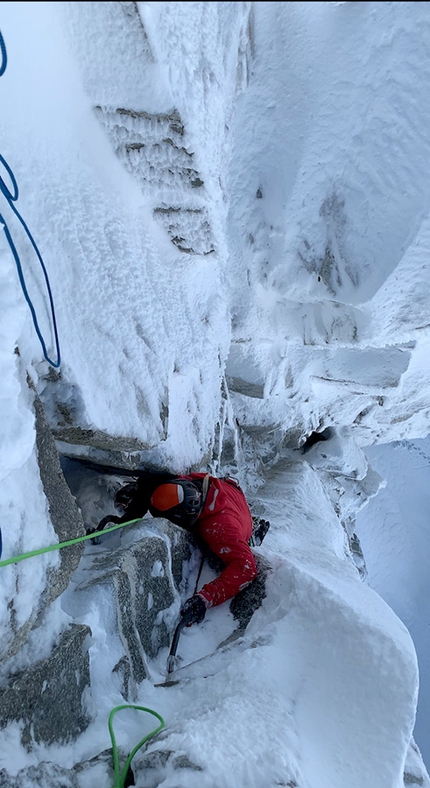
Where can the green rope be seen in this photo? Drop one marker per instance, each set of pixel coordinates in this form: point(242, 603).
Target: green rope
point(120, 776)
point(16, 558)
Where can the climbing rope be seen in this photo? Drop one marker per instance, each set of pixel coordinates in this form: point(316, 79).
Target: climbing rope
point(11, 197)
point(120, 776)
point(3, 55)
point(16, 558)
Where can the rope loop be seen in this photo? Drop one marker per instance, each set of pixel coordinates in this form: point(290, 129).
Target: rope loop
point(120, 776)
point(3, 188)
point(11, 198)
point(3, 55)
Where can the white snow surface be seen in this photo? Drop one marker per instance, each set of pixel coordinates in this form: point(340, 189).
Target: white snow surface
point(294, 297)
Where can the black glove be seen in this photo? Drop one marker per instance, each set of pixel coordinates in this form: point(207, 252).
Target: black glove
point(259, 531)
point(193, 611)
point(111, 518)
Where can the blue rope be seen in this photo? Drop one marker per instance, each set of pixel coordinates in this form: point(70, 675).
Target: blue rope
point(3, 55)
point(11, 197)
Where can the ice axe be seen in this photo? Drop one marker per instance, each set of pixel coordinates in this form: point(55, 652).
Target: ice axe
point(183, 621)
point(188, 617)
point(172, 659)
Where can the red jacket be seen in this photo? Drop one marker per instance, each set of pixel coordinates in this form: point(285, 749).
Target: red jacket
point(225, 524)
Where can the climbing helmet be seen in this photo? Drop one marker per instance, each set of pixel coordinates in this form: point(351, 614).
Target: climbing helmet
point(179, 500)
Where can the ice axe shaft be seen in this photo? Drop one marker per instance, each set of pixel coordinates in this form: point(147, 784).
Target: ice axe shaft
point(171, 660)
point(174, 646)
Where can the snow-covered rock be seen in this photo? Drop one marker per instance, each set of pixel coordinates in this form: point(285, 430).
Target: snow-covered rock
point(232, 204)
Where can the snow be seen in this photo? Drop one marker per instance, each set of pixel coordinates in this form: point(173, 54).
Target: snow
point(393, 534)
point(286, 150)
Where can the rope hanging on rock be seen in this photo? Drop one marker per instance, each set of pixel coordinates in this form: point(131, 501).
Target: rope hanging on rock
point(11, 197)
point(16, 558)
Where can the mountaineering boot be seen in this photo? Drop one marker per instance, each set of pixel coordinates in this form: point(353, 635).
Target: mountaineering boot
point(259, 531)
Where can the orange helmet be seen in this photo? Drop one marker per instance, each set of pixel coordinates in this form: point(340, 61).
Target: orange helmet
point(179, 500)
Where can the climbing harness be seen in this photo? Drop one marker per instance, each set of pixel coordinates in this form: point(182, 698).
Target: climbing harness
point(11, 198)
point(121, 776)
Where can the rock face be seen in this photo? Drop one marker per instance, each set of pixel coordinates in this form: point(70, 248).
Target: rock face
point(142, 577)
point(65, 515)
point(47, 698)
point(143, 580)
point(67, 522)
point(98, 771)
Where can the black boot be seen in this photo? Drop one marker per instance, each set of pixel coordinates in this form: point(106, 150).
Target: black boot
point(259, 531)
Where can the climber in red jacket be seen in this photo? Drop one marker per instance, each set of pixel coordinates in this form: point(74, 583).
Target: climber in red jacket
point(214, 510)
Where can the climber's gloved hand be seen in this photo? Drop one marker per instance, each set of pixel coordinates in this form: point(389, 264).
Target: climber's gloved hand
point(193, 611)
point(111, 518)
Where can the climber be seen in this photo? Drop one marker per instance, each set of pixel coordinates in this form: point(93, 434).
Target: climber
point(212, 509)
